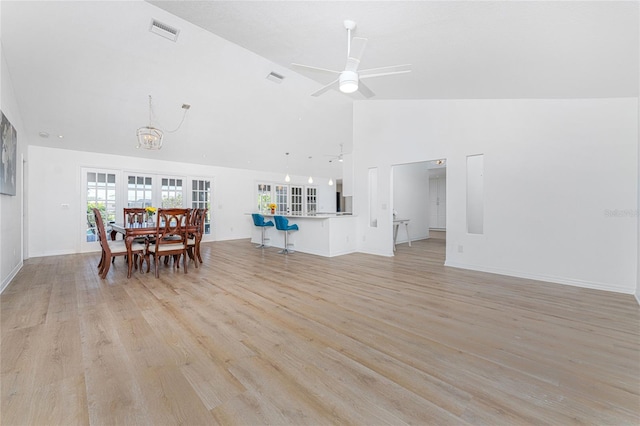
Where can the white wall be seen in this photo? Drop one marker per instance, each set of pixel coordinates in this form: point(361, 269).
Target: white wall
point(638, 184)
point(11, 222)
point(55, 182)
point(554, 171)
point(411, 199)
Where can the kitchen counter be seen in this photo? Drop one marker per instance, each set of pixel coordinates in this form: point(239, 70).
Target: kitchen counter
point(322, 234)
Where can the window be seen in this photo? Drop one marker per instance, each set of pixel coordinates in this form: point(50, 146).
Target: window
point(201, 199)
point(101, 194)
point(264, 196)
point(171, 193)
point(312, 200)
point(296, 200)
point(139, 191)
point(282, 198)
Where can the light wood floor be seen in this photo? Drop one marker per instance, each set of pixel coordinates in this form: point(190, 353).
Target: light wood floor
point(255, 337)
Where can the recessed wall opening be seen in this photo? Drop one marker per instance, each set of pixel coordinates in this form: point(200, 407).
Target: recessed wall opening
point(373, 197)
point(475, 194)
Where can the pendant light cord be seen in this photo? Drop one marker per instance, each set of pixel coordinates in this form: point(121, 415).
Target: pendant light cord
point(184, 115)
point(185, 107)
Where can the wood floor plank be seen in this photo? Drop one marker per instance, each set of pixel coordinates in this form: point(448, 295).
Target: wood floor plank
point(255, 337)
point(114, 396)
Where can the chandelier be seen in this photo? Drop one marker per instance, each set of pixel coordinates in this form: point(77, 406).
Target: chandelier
point(149, 137)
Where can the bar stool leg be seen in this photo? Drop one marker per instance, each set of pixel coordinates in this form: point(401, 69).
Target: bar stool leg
point(262, 245)
point(286, 244)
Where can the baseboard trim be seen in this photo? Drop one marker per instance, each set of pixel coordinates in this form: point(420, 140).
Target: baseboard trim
point(54, 253)
point(546, 278)
point(12, 275)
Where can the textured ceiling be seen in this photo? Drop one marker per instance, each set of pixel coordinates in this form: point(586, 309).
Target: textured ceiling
point(84, 69)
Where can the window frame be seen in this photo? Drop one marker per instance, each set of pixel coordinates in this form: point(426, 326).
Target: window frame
point(86, 216)
point(208, 230)
point(146, 202)
point(289, 202)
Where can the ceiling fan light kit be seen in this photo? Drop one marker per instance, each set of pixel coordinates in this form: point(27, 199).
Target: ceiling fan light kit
point(348, 80)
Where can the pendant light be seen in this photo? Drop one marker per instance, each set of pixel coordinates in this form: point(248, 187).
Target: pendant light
point(287, 178)
point(148, 136)
point(310, 178)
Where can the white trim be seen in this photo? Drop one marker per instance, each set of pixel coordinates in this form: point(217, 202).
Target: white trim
point(82, 245)
point(11, 276)
point(63, 252)
point(189, 201)
point(546, 278)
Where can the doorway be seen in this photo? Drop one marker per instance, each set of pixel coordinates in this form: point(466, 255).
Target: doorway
point(419, 195)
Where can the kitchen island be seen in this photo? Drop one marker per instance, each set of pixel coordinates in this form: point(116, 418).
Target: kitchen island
point(323, 234)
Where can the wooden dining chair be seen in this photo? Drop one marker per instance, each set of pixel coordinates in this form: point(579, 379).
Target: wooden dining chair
point(111, 248)
point(135, 215)
point(198, 217)
point(170, 238)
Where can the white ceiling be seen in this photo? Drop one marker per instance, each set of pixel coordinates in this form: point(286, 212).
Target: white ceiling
point(458, 49)
point(85, 69)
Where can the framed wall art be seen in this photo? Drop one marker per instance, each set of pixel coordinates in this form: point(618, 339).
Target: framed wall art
point(8, 145)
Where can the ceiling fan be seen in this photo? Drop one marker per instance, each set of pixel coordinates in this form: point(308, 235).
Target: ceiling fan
point(348, 80)
point(339, 158)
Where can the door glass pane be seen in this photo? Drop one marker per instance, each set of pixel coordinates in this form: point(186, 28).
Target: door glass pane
point(201, 199)
point(139, 191)
point(171, 193)
point(101, 194)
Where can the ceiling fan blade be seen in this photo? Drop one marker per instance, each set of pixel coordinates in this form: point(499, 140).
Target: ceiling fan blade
point(365, 91)
point(333, 85)
point(378, 72)
point(355, 53)
point(315, 69)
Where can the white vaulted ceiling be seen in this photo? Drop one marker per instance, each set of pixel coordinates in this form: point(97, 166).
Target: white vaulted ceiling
point(459, 49)
point(84, 69)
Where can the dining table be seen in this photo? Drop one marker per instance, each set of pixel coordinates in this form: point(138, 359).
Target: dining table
point(131, 231)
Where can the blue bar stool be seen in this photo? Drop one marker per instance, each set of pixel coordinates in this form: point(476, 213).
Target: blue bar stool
point(282, 224)
point(258, 220)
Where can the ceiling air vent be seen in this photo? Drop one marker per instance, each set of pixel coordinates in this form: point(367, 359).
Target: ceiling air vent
point(275, 77)
point(164, 30)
